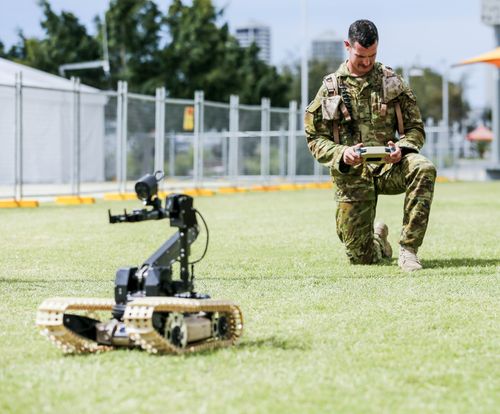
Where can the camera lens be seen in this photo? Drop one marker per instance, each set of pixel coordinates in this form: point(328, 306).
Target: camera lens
point(142, 190)
point(147, 187)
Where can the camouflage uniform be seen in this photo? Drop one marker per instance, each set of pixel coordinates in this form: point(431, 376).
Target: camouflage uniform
point(357, 187)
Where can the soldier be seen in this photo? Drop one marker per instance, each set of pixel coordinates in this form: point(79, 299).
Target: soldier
point(364, 103)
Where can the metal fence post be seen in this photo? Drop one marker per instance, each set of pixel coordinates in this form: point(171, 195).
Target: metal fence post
point(456, 138)
point(430, 142)
point(171, 156)
point(124, 135)
point(18, 136)
point(160, 129)
point(76, 158)
point(225, 157)
point(292, 141)
point(265, 127)
point(198, 137)
point(443, 143)
point(282, 152)
point(121, 136)
point(119, 124)
point(234, 102)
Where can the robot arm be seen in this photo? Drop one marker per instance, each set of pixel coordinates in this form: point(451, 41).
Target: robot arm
point(154, 276)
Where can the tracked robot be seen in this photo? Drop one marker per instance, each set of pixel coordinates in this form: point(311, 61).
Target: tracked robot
point(151, 309)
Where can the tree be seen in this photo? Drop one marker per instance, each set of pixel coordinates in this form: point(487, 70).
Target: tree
point(199, 54)
point(203, 56)
point(261, 80)
point(428, 89)
point(318, 69)
point(134, 28)
point(66, 41)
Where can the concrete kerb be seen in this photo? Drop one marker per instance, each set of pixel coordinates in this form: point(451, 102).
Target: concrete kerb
point(208, 190)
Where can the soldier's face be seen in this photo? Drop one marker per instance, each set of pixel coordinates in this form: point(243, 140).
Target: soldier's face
point(361, 59)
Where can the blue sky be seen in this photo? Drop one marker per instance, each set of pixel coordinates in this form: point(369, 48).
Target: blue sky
point(432, 33)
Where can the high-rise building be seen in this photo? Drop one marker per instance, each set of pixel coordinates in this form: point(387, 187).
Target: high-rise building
point(259, 34)
point(328, 47)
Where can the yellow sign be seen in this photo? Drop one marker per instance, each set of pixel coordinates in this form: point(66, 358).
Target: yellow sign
point(188, 122)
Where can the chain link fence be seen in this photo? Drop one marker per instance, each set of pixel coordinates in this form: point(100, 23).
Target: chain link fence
point(72, 142)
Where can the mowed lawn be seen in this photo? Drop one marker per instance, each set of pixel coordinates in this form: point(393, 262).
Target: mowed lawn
point(321, 336)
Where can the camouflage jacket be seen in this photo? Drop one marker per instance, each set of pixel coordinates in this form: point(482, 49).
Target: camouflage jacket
point(369, 124)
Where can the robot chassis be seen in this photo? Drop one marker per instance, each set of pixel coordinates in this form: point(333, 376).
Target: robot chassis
point(150, 309)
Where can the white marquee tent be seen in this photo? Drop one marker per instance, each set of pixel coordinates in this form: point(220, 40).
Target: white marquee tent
point(48, 127)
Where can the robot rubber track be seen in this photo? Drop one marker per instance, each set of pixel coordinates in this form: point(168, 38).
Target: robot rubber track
point(138, 320)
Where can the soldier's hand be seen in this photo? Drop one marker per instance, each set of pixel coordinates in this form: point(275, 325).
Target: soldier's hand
point(394, 156)
point(351, 156)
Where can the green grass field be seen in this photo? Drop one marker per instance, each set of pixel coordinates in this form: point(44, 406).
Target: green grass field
point(321, 336)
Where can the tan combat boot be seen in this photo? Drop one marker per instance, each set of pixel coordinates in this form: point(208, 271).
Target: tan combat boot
point(408, 260)
point(382, 231)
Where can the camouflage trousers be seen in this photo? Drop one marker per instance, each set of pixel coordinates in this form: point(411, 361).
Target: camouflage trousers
point(414, 175)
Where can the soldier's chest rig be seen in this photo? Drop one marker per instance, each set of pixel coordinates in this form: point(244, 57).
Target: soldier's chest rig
point(337, 106)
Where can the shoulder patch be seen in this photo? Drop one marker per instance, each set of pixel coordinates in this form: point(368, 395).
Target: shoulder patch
point(393, 86)
point(388, 71)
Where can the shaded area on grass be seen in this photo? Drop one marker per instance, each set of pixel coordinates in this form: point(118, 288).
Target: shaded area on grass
point(460, 262)
point(275, 342)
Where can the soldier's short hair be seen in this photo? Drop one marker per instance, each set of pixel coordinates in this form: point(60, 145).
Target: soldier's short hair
point(364, 32)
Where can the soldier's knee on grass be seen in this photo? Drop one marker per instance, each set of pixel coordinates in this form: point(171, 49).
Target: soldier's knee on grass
point(365, 259)
point(361, 261)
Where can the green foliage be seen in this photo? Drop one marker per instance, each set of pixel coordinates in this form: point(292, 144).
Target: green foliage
point(199, 53)
point(428, 89)
point(321, 336)
point(133, 37)
point(66, 41)
point(481, 147)
point(318, 69)
point(203, 56)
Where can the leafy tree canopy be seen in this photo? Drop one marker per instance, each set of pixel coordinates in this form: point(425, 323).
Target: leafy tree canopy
point(184, 49)
point(428, 88)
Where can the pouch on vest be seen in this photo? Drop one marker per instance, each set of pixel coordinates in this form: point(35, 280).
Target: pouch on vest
point(330, 106)
point(393, 87)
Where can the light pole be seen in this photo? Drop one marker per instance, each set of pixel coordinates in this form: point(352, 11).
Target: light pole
point(304, 69)
point(490, 15)
point(445, 137)
point(445, 97)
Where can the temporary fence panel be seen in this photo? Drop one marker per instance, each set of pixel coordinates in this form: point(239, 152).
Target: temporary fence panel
point(140, 147)
point(48, 143)
point(110, 136)
point(178, 144)
point(249, 144)
point(278, 146)
point(68, 141)
point(91, 140)
point(8, 154)
point(439, 145)
point(305, 162)
point(215, 139)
